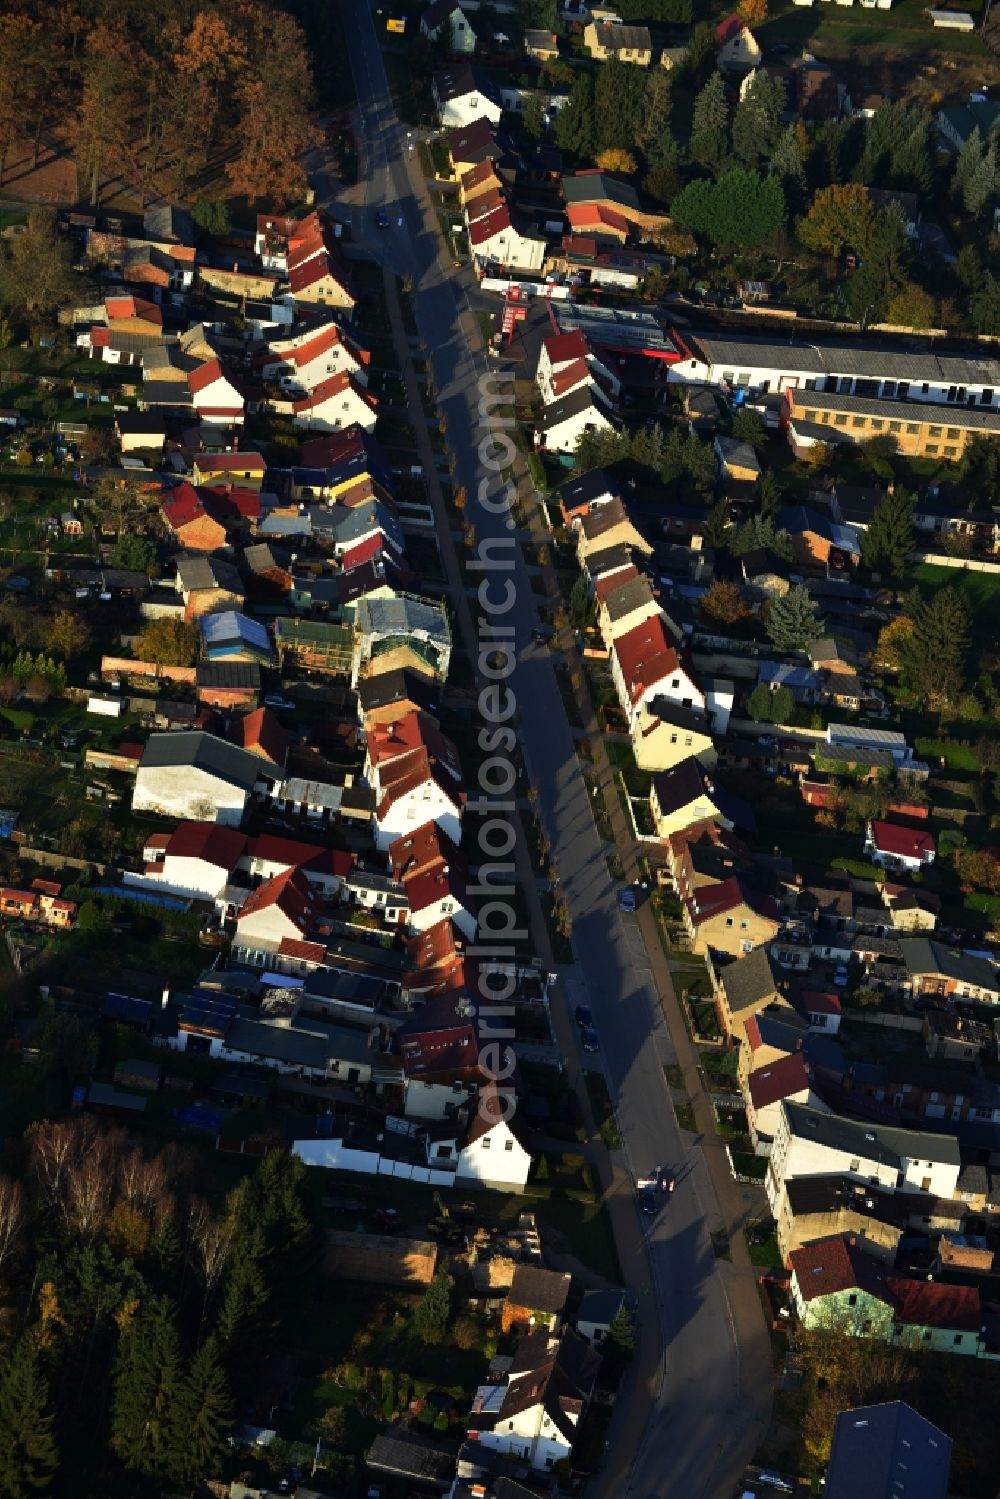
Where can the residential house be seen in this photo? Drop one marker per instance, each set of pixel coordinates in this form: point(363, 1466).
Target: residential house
point(543, 46)
point(956, 122)
point(564, 422)
point(444, 16)
point(413, 789)
point(567, 361)
point(821, 417)
point(625, 607)
point(934, 969)
point(818, 1207)
point(534, 1412)
point(316, 277)
point(838, 664)
point(815, 90)
point(391, 695)
point(646, 664)
point(439, 1050)
point(834, 1283)
point(536, 1300)
point(463, 94)
point(809, 1143)
point(492, 1153)
point(737, 50)
point(584, 493)
point(597, 1313)
point(895, 847)
point(684, 797)
point(215, 395)
point(495, 239)
point(665, 733)
point(599, 205)
point(245, 469)
point(402, 631)
point(887, 1451)
point(607, 527)
point(338, 401)
point(227, 684)
point(471, 145)
point(310, 356)
point(193, 775)
point(737, 460)
point(193, 518)
point(262, 733)
point(283, 907)
point(817, 539)
point(730, 917)
point(747, 986)
point(767, 1088)
point(910, 910)
point(606, 39)
point(207, 583)
point(140, 432)
point(232, 636)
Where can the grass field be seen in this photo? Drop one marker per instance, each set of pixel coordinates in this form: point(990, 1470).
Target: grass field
point(981, 591)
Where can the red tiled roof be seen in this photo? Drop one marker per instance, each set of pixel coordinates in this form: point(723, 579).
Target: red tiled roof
point(493, 223)
point(571, 375)
point(333, 448)
point(223, 463)
point(412, 770)
point(429, 886)
point(781, 1079)
point(730, 27)
point(47, 887)
point(327, 390)
point(923, 1303)
point(422, 849)
point(387, 742)
point(646, 655)
point(182, 506)
point(752, 1032)
point(320, 343)
point(817, 1003)
point(372, 546)
point(130, 307)
point(222, 847)
point(100, 338)
point(909, 843)
point(204, 376)
point(714, 900)
point(260, 730)
point(292, 947)
point(562, 347)
point(586, 215)
point(290, 892)
point(307, 273)
point(611, 582)
point(830, 1265)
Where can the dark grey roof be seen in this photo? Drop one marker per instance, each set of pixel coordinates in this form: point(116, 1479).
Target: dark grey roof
point(205, 752)
point(579, 400)
point(676, 714)
point(921, 956)
point(749, 980)
point(236, 676)
point(600, 1307)
point(398, 685)
point(541, 1290)
point(166, 393)
point(873, 1142)
point(295, 1048)
point(456, 82)
point(976, 418)
point(595, 187)
point(197, 571)
point(677, 787)
point(850, 359)
point(828, 1194)
point(887, 1452)
point(608, 559)
point(167, 222)
point(140, 423)
point(623, 601)
point(586, 488)
point(409, 1456)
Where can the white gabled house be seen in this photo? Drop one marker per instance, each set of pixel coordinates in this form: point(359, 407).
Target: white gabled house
point(446, 16)
point(566, 362)
point(337, 401)
point(463, 94)
point(307, 359)
point(533, 1412)
point(564, 422)
point(415, 789)
point(494, 238)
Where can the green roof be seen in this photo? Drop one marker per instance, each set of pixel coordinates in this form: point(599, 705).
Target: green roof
point(964, 118)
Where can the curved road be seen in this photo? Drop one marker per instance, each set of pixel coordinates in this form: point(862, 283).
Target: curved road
point(693, 1418)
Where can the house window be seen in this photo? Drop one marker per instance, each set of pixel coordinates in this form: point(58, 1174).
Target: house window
point(951, 432)
point(895, 426)
point(676, 682)
point(852, 1300)
point(934, 431)
point(486, 1143)
point(877, 425)
point(857, 421)
point(729, 921)
point(854, 1166)
point(508, 1145)
point(932, 447)
point(744, 925)
point(912, 429)
point(927, 1335)
point(840, 420)
point(950, 452)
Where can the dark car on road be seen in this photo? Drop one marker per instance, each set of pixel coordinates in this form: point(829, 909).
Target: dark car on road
point(583, 1016)
point(590, 1041)
point(382, 219)
point(647, 1200)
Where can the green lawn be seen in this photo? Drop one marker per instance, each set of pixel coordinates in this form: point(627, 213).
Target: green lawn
point(848, 32)
point(980, 590)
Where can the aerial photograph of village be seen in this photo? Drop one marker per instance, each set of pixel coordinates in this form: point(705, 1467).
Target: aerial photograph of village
point(499, 749)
